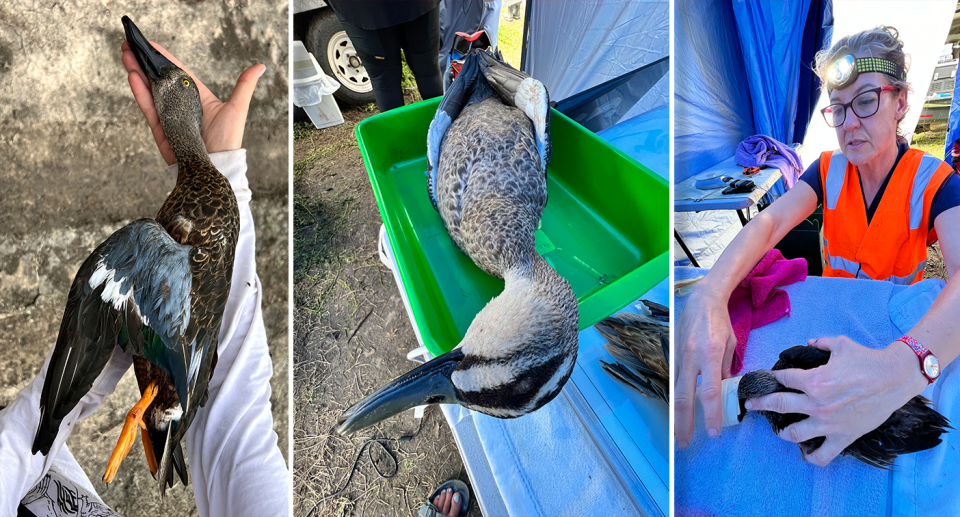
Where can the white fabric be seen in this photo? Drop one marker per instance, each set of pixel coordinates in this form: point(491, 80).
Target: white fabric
point(236, 467)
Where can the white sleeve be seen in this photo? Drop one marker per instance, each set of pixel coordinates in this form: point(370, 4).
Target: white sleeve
point(19, 469)
point(236, 467)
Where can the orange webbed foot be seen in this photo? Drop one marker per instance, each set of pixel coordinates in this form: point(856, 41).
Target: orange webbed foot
point(128, 434)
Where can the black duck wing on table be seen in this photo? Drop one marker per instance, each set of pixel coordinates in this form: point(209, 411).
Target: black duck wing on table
point(132, 291)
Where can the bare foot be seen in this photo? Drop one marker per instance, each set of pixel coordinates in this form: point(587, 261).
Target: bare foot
point(448, 502)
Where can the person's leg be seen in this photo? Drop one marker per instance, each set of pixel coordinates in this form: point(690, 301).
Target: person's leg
point(379, 50)
point(448, 503)
point(420, 40)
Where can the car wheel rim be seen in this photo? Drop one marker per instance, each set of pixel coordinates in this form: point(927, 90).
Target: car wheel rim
point(346, 65)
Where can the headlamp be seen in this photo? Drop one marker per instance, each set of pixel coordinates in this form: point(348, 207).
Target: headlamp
point(844, 71)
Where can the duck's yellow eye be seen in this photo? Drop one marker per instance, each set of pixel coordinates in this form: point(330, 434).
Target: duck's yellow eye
point(186, 82)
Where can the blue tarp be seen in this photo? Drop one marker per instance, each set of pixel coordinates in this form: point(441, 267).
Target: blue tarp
point(742, 69)
point(953, 125)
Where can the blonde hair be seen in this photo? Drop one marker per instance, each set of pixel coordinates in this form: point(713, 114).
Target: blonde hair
point(882, 42)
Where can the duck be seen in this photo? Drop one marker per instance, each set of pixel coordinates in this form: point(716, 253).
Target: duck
point(156, 289)
point(912, 428)
point(487, 151)
point(641, 345)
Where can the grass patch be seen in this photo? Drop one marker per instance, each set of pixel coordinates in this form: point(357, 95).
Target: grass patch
point(510, 37)
point(317, 224)
point(930, 142)
point(300, 166)
point(407, 81)
point(301, 130)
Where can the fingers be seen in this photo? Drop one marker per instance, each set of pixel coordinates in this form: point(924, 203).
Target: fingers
point(800, 432)
point(710, 400)
point(830, 449)
point(243, 91)
point(683, 409)
point(793, 378)
point(728, 356)
point(831, 344)
point(781, 402)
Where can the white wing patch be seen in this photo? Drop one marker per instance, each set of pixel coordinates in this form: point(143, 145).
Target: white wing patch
point(111, 289)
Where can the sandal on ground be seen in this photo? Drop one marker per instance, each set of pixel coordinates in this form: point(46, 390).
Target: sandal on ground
point(459, 487)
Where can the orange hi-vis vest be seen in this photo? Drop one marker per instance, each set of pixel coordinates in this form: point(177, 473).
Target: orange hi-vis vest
point(894, 246)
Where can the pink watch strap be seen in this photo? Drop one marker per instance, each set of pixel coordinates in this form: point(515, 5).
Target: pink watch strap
point(922, 354)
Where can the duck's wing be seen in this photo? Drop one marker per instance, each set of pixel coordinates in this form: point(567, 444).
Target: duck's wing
point(132, 291)
point(637, 341)
point(454, 100)
point(516, 88)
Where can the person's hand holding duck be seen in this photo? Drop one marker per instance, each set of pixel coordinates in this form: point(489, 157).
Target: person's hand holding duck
point(853, 394)
point(223, 122)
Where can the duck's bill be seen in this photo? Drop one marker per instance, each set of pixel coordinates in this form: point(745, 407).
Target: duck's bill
point(151, 61)
point(427, 384)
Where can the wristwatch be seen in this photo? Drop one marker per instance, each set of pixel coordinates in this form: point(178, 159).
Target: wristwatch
point(929, 366)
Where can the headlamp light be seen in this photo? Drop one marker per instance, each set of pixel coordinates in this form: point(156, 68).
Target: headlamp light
point(844, 71)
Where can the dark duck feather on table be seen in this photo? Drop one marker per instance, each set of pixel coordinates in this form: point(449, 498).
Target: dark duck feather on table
point(641, 344)
point(488, 149)
point(914, 427)
point(156, 288)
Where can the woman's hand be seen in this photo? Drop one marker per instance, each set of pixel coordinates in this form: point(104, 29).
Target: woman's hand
point(705, 342)
point(222, 121)
point(853, 394)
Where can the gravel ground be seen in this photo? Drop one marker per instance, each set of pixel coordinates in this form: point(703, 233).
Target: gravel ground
point(81, 163)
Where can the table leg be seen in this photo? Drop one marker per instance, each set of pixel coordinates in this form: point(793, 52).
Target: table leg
point(744, 218)
point(693, 261)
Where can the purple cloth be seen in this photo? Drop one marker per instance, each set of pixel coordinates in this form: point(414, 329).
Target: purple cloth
point(763, 151)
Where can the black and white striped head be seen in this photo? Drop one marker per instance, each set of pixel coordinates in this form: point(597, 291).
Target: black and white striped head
point(515, 357)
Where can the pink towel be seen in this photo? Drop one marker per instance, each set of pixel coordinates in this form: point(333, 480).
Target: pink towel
point(756, 301)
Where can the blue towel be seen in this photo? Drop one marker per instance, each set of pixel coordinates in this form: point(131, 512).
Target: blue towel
point(750, 471)
point(763, 151)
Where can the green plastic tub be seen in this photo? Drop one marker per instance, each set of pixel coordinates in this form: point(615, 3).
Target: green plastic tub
point(605, 228)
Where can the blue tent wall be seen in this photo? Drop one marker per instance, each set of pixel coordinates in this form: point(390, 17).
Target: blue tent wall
point(817, 34)
point(712, 112)
point(779, 40)
point(743, 68)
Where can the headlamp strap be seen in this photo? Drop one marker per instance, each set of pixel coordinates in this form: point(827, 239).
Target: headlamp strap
point(876, 64)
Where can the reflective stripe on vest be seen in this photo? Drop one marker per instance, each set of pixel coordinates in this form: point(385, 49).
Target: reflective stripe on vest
point(928, 166)
point(834, 183)
point(854, 269)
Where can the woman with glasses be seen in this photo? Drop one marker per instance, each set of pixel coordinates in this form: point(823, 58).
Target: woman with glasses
point(883, 203)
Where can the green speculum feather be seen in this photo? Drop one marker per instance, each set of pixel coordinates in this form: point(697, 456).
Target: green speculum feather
point(154, 349)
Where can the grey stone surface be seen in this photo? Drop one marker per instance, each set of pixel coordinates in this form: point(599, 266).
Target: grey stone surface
point(78, 162)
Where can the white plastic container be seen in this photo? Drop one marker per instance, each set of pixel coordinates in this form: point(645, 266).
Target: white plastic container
point(313, 90)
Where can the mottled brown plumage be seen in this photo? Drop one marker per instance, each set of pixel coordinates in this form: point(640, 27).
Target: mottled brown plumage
point(640, 341)
point(156, 288)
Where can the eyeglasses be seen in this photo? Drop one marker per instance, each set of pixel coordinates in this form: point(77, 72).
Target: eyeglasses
point(863, 105)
